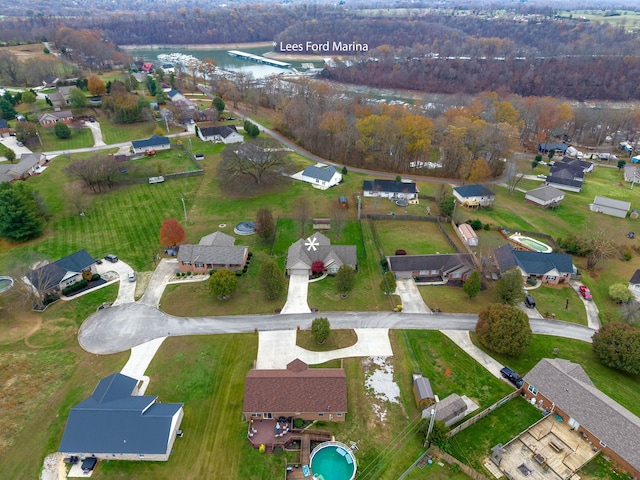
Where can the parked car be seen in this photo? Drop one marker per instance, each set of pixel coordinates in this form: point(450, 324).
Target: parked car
point(529, 301)
point(512, 376)
point(585, 292)
point(98, 261)
point(132, 276)
point(111, 258)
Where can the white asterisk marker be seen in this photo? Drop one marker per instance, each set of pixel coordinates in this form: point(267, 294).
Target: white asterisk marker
point(311, 243)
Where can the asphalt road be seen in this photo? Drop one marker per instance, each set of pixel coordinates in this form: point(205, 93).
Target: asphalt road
point(122, 327)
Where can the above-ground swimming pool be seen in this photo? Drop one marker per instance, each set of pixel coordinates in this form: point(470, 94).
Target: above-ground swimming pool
point(245, 228)
point(333, 461)
point(531, 243)
point(5, 284)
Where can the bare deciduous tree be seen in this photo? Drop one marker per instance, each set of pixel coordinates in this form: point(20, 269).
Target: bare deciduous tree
point(98, 172)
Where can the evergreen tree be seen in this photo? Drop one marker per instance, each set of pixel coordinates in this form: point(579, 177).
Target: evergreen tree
point(62, 130)
point(271, 279)
point(504, 329)
point(6, 109)
point(473, 284)
point(21, 219)
point(509, 287)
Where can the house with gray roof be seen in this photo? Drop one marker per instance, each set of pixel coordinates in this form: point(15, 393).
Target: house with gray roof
point(564, 389)
point(451, 410)
point(26, 166)
point(610, 206)
point(304, 252)
point(62, 273)
point(321, 177)
point(390, 189)
point(631, 174)
point(215, 251)
point(155, 142)
point(49, 119)
point(220, 134)
point(565, 176)
point(545, 196)
point(474, 196)
point(433, 269)
point(117, 423)
point(551, 268)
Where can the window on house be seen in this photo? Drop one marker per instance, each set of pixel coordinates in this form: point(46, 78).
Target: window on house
point(533, 390)
point(199, 265)
point(321, 414)
point(256, 415)
point(602, 444)
point(339, 414)
point(551, 277)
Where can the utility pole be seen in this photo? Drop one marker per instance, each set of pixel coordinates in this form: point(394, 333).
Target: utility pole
point(432, 420)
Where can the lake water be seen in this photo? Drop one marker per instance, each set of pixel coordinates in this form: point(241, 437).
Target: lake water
point(222, 58)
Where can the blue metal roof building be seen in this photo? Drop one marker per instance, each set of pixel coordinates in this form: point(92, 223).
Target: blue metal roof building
point(115, 423)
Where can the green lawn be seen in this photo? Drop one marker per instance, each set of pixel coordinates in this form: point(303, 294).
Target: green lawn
point(80, 138)
point(552, 299)
point(414, 237)
point(601, 468)
point(450, 298)
point(472, 445)
point(118, 133)
point(163, 163)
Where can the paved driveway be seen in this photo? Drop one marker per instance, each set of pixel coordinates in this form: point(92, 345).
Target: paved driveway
point(297, 296)
point(164, 272)
point(96, 132)
point(127, 290)
point(593, 314)
point(412, 301)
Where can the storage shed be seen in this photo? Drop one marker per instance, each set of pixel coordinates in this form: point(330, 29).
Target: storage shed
point(468, 235)
point(422, 391)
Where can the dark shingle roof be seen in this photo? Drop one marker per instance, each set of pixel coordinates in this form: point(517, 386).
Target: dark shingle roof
point(445, 262)
point(533, 263)
point(389, 186)
point(3, 123)
point(422, 386)
point(635, 279)
point(569, 182)
point(320, 173)
point(224, 131)
point(152, 141)
point(474, 191)
point(567, 170)
point(568, 386)
point(49, 276)
point(296, 389)
point(112, 420)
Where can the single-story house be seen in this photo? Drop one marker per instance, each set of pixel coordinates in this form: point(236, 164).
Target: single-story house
point(49, 119)
point(551, 268)
point(155, 142)
point(27, 165)
point(609, 206)
point(422, 391)
point(577, 163)
point(50, 81)
point(175, 95)
point(296, 391)
point(566, 177)
point(303, 253)
point(451, 410)
point(116, 423)
point(223, 134)
point(468, 235)
point(4, 127)
point(564, 389)
point(63, 272)
point(435, 269)
point(390, 189)
point(545, 196)
point(214, 252)
point(474, 196)
point(631, 173)
point(634, 283)
point(322, 177)
point(559, 148)
point(61, 97)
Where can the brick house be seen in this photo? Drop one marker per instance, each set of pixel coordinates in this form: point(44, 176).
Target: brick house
point(297, 391)
point(214, 252)
point(563, 388)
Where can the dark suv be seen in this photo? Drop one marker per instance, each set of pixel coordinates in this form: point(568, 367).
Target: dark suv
point(512, 376)
point(111, 258)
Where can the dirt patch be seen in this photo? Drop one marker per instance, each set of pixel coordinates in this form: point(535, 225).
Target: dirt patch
point(379, 383)
point(52, 333)
point(27, 52)
point(17, 322)
point(53, 467)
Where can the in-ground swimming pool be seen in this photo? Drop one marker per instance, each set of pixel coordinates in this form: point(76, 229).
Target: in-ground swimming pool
point(333, 461)
point(531, 243)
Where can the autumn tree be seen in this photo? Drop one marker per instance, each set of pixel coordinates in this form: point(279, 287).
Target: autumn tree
point(509, 287)
point(301, 213)
point(472, 285)
point(345, 279)
point(265, 226)
point(271, 279)
point(317, 267)
point(26, 133)
point(171, 232)
point(617, 345)
point(96, 86)
point(479, 171)
point(223, 283)
point(320, 329)
point(504, 329)
point(252, 164)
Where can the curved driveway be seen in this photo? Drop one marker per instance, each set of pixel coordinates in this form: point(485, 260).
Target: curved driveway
point(125, 326)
